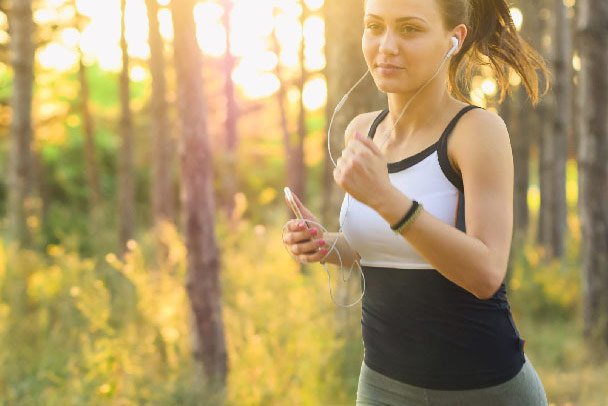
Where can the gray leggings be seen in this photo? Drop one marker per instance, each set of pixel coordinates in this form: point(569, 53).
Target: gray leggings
point(524, 389)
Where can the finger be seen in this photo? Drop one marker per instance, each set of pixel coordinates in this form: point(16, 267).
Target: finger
point(305, 212)
point(293, 225)
point(309, 247)
point(294, 237)
point(299, 225)
point(340, 162)
point(350, 151)
point(297, 237)
point(350, 155)
point(300, 248)
point(310, 233)
point(313, 257)
point(367, 142)
point(358, 153)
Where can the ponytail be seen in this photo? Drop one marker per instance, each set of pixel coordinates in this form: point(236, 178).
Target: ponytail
point(493, 41)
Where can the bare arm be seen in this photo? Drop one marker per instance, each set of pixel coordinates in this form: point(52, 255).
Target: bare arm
point(347, 253)
point(475, 260)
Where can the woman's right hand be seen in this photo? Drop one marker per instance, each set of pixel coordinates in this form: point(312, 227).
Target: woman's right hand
point(306, 244)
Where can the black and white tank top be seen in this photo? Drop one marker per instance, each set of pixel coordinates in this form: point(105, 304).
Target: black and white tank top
point(417, 326)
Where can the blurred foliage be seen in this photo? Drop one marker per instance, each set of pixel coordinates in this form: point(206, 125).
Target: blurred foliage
point(59, 146)
point(281, 337)
point(82, 331)
point(550, 287)
point(85, 332)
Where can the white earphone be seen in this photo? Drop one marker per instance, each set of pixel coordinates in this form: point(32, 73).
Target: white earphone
point(454, 46)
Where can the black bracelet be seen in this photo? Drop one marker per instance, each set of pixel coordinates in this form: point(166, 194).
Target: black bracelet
point(407, 216)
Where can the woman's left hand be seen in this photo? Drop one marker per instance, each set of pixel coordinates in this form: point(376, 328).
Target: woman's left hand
point(362, 171)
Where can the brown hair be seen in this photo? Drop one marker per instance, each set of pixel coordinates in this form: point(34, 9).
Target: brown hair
point(493, 41)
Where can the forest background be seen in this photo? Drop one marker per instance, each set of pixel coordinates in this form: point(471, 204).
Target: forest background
point(144, 154)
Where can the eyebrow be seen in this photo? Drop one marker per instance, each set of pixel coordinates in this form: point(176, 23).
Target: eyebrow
point(399, 19)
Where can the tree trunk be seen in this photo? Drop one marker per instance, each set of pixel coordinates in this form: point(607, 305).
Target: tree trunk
point(527, 125)
point(296, 169)
point(592, 35)
point(281, 99)
point(203, 266)
point(21, 29)
point(162, 195)
point(553, 146)
point(561, 126)
point(521, 155)
point(294, 148)
point(530, 118)
point(545, 142)
point(125, 169)
point(232, 114)
point(90, 151)
point(511, 112)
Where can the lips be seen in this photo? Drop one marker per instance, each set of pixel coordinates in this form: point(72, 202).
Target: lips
point(388, 66)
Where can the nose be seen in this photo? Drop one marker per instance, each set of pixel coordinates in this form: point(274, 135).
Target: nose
point(388, 45)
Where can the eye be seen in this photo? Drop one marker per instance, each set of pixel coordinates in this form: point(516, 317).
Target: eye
point(409, 28)
point(373, 26)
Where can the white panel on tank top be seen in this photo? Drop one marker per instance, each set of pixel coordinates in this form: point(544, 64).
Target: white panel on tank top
point(371, 236)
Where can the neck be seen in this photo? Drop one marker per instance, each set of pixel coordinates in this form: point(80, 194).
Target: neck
point(422, 111)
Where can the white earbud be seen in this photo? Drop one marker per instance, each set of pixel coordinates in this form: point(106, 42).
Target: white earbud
point(454, 46)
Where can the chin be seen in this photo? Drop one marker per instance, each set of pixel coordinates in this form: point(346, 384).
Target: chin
point(390, 86)
point(401, 84)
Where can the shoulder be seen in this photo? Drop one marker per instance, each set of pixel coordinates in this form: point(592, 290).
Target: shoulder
point(361, 123)
point(480, 136)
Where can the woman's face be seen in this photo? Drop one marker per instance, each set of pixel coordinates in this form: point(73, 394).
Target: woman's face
point(407, 34)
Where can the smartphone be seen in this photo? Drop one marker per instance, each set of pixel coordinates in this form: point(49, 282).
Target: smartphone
point(293, 205)
point(296, 210)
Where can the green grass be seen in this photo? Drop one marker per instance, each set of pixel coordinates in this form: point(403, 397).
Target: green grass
point(569, 370)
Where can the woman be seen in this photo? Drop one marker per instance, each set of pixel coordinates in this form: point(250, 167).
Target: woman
point(436, 323)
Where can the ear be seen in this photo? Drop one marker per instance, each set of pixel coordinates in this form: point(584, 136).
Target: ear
point(460, 33)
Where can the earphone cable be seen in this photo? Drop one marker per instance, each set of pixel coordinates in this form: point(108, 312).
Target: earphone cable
point(338, 107)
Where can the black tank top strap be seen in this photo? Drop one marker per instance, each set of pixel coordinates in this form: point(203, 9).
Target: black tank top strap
point(372, 129)
point(442, 150)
